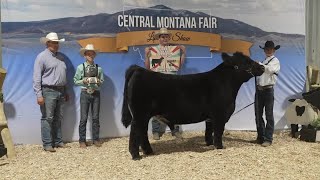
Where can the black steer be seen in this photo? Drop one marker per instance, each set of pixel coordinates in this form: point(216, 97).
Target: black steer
point(184, 99)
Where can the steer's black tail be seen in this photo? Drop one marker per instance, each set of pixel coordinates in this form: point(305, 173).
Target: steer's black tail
point(126, 114)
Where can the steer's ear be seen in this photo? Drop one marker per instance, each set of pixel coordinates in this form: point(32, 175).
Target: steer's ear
point(226, 58)
point(291, 100)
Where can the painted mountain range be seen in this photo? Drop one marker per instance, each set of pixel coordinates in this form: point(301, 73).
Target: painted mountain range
point(107, 23)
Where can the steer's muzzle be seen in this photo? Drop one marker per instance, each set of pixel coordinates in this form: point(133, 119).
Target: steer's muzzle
point(259, 70)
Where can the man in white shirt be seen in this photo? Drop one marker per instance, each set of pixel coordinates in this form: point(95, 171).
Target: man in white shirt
point(264, 98)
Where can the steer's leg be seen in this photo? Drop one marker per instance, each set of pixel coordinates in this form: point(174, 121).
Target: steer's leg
point(208, 133)
point(134, 141)
point(171, 126)
point(145, 144)
point(218, 129)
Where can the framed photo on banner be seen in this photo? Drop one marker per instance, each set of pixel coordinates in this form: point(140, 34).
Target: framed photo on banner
point(165, 58)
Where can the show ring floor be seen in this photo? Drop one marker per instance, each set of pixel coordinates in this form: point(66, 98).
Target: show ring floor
point(286, 158)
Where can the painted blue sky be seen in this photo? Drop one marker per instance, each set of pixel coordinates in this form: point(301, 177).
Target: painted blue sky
point(286, 16)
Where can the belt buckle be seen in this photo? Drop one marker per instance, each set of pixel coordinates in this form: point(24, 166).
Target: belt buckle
point(90, 90)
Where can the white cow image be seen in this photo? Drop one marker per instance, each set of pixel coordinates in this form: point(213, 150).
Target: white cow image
point(301, 112)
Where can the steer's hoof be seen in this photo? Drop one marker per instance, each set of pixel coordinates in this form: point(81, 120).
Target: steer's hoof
point(135, 158)
point(149, 152)
point(209, 143)
point(219, 147)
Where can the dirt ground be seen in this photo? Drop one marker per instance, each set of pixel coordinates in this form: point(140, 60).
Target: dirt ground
point(189, 158)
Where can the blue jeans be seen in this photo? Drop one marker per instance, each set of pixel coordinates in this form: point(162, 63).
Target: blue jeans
point(264, 99)
point(86, 101)
point(52, 115)
point(158, 127)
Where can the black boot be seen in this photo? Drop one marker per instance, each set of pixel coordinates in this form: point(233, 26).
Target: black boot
point(294, 130)
point(3, 150)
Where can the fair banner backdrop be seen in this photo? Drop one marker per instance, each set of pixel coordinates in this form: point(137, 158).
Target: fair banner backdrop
point(121, 30)
point(125, 39)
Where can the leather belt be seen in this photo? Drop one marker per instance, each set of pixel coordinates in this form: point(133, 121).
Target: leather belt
point(89, 91)
point(264, 87)
point(57, 88)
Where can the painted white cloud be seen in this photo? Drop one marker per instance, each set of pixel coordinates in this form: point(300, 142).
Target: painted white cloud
point(79, 2)
point(142, 3)
point(272, 15)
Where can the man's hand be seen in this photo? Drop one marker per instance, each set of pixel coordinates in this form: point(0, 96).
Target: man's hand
point(183, 54)
point(40, 101)
point(85, 80)
point(146, 57)
point(183, 49)
point(147, 51)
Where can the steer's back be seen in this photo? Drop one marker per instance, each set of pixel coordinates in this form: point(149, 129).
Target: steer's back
point(182, 99)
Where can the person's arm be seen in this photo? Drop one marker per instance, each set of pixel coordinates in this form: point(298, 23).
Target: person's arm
point(183, 54)
point(78, 77)
point(101, 77)
point(273, 67)
point(37, 76)
point(146, 58)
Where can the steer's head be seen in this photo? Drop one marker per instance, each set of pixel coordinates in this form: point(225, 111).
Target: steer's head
point(243, 63)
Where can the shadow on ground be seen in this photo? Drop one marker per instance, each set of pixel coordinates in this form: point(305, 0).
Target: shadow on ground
point(195, 144)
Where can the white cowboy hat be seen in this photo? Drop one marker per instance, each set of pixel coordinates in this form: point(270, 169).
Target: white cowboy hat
point(160, 32)
point(89, 47)
point(51, 37)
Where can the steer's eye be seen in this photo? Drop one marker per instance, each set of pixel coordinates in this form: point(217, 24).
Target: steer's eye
point(236, 67)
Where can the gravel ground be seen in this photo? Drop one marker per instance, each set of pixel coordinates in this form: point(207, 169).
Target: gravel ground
point(189, 158)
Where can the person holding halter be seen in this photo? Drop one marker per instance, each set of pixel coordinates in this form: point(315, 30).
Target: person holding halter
point(264, 97)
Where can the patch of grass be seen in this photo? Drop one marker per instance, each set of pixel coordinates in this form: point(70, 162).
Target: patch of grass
point(316, 123)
